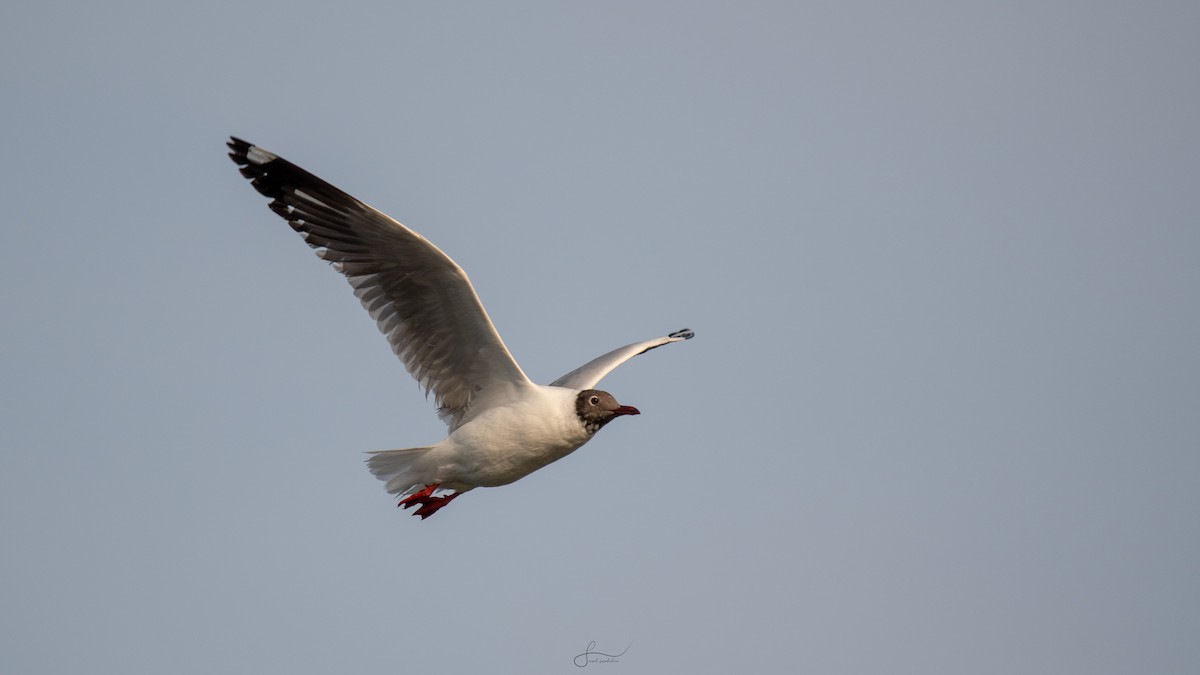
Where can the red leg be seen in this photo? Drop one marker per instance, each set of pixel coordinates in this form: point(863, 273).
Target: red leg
point(431, 505)
point(424, 499)
point(420, 496)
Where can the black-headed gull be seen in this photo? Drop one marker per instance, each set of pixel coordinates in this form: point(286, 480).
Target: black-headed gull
point(502, 426)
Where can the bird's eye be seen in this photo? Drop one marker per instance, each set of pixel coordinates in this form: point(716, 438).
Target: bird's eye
point(595, 400)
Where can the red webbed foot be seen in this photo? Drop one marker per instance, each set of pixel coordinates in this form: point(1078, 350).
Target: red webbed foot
point(419, 496)
point(431, 505)
point(428, 504)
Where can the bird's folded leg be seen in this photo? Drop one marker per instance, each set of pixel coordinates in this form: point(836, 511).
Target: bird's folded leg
point(424, 498)
point(420, 496)
point(430, 505)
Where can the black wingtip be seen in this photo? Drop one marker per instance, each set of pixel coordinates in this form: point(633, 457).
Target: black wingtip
point(685, 333)
point(276, 178)
point(266, 171)
point(238, 149)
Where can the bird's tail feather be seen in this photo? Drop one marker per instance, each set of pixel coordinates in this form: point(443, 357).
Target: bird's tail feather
point(398, 468)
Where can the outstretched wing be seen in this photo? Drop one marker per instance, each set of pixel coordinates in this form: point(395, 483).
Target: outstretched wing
point(421, 299)
point(590, 374)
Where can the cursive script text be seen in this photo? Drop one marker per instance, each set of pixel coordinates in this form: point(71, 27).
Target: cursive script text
point(585, 658)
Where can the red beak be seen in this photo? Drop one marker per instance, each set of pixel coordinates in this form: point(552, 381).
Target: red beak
point(626, 410)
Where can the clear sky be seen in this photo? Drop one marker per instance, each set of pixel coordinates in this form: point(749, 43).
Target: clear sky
point(941, 416)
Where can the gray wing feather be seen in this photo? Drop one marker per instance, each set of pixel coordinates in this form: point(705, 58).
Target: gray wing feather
point(422, 300)
point(589, 374)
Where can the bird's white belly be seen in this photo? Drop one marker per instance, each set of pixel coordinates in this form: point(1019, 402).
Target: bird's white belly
point(509, 442)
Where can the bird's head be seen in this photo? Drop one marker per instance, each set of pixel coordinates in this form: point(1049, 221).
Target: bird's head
point(596, 408)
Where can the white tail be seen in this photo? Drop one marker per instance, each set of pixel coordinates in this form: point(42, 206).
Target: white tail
point(398, 467)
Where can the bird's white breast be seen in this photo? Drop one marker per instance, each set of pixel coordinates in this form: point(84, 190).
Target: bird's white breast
point(507, 442)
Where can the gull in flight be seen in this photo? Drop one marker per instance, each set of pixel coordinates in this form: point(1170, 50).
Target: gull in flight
point(502, 426)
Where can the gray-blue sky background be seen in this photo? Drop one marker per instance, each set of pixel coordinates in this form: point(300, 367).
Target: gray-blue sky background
point(942, 414)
